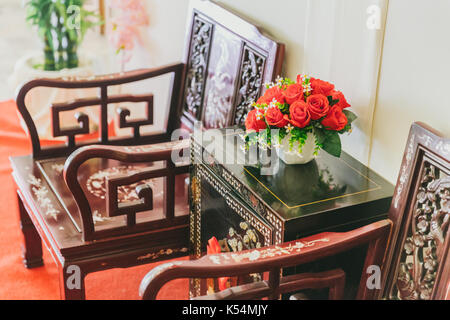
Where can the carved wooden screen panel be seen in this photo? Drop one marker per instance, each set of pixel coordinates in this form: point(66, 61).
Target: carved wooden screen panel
point(228, 60)
point(419, 261)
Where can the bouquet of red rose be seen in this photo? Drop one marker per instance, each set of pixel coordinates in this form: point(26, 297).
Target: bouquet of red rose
point(301, 110)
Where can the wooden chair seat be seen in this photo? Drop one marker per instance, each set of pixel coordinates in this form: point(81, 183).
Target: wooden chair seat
point(45, 215)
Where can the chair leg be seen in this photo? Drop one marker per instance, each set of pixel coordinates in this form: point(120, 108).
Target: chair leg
point(337, 288)
point(71, 282)
point(32, 244)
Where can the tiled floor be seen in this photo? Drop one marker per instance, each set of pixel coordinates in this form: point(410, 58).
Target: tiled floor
point(18, 38)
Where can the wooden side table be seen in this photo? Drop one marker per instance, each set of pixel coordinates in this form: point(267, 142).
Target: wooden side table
point(245, 209)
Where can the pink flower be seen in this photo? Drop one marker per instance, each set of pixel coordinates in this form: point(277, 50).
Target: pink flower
point(124, 29)
point(122, 37)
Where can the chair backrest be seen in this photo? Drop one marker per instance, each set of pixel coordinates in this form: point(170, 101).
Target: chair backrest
point(418, 263)
point(101, 83)
point(227, 60)
point(145, 191)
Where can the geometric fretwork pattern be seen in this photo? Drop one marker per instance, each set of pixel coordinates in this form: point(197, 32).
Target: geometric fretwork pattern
point(424, 246)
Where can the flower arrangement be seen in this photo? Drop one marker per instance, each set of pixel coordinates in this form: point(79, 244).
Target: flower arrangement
point(62, 25)
point(124, 28)
point(301, 110)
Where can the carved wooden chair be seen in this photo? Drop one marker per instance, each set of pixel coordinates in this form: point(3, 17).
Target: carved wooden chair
point(411, 247)
point(99, 213)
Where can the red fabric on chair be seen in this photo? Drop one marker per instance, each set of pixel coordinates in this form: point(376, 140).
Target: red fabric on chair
point(16, 281)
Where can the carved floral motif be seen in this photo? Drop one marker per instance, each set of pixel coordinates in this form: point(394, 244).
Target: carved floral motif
point(41, 193)
point(264, 253)
point(58, 167)
point(218, 96)
point(423, 249)
point(160, 253)
point(197, 66)
point(96, 183)
point(250, 82)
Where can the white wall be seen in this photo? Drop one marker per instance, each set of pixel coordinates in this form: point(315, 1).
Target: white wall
point(414, 79)
point(392, 76)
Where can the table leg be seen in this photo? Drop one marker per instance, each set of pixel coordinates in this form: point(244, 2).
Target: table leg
point(32, 245)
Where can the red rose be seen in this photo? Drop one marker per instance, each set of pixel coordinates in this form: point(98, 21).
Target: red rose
point(293, 93)
point(335, 120)
point(337, 95)
point(270, 94)
point(300, 116)
point(318, 106)
point(274, 117)
point(253, 123)
point(321, 87)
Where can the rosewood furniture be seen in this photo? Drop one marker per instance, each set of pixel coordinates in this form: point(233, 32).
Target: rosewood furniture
point(273, 259)
point(245, 207)
point(411, 246)
point(418, 262)
point(94, 213)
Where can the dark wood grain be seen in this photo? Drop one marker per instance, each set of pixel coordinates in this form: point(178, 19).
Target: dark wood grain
point(32, 247)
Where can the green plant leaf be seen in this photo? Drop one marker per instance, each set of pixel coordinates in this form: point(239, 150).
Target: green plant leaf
point(320, 135)
point(332, 143)
point(350, 116)
point(331, 101)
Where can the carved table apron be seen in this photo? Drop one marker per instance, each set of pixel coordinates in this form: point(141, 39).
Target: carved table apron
point(244, 209)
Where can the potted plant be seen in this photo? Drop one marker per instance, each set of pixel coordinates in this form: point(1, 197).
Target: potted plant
point(298, 118)
point(61, 24)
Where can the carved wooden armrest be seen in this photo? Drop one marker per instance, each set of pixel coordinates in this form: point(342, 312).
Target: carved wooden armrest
point(132, 154)
point(273, 259)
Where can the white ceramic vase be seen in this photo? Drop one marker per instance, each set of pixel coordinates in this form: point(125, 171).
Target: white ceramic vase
point(293, 156)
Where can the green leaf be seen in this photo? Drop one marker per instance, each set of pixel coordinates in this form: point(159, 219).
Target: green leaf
point(320, 135)
point(331, 101)
point(284, 108)
point(332, 143)
point(350, 116)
